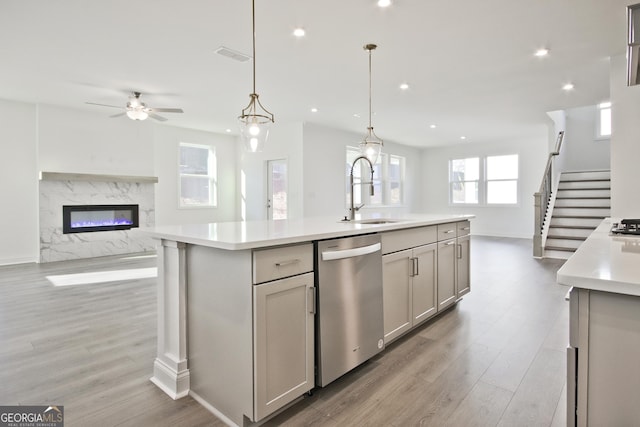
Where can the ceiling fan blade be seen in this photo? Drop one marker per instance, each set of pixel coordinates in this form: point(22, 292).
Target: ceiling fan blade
point(157, 117)
point(117, 115)
point(166, 110)
point(103, 105)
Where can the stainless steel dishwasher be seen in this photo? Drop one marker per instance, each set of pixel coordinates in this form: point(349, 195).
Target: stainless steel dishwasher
point(350, 323)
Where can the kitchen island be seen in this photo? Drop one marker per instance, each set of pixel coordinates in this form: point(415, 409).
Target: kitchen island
point(237, 302)
point(603, 373)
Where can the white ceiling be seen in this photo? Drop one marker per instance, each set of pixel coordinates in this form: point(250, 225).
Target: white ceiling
point(470, 63)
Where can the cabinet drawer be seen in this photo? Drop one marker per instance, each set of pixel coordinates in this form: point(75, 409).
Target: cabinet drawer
point(394, 241)
point(446, 231)
point(276, 263)
point(463, 228)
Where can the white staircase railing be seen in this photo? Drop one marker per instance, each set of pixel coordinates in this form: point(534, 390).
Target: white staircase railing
point(542, 198)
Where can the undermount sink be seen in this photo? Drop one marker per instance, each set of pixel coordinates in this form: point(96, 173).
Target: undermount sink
point(376, 221)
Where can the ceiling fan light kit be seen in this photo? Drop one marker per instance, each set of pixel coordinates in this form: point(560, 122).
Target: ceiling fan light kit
point(254, 120)
point(138, 110)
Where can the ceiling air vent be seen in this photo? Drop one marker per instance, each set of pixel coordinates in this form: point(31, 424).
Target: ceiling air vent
point(233, 54)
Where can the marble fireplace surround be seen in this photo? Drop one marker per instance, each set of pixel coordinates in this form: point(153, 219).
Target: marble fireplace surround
point(57, 189)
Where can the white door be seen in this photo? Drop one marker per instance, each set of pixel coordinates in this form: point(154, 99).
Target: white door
point(277, 189)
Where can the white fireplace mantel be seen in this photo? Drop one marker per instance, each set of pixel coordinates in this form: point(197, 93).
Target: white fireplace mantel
point(64, 176)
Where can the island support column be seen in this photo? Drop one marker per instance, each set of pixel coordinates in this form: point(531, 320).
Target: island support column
point(170, 371)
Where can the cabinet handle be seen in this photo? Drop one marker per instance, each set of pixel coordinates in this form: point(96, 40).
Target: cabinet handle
point(416, 263)
point(414, 267)
point(312, 291)
point(287, 262)
point(449, 231)
point(459, 251)
point(466, 228)
point(450, 243)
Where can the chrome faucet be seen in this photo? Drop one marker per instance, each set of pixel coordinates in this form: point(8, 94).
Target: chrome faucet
point(353, 209)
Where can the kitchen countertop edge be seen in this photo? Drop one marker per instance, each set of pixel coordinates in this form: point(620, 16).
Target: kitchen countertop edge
point(243, 235)
point(601, 263)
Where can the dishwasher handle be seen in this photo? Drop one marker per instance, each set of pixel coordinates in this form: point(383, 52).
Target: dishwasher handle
point(350, 253)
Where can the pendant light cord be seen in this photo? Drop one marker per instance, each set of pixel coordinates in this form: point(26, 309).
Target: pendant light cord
point(369, 87)
point(253, 20)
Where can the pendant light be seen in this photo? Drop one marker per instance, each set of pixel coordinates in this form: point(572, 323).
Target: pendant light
point(371, 145)
point(255, 119)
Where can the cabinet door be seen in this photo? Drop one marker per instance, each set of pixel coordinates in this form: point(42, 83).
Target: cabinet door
point(464, 251)
point(396, 293)
point(447, 260)
point(283, 342)
point(424, 282)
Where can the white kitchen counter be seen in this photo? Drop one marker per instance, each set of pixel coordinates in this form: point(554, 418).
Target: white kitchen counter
point(259, 234)
point(604, 263)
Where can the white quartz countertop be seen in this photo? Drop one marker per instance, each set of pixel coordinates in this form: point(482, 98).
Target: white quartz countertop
point(259, 234)
point(604, 263)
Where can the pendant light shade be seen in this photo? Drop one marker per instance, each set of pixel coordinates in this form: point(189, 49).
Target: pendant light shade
point(255, 120)
point(371, 145)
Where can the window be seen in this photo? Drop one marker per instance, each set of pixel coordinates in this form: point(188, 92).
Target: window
point(198, 184)
point(502, 179)
point(604, 120)
point(388, 179)
point(464, 176)
point(491, 180)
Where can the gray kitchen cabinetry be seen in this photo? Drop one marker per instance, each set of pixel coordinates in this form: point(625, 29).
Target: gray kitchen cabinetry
point(447, 265)
point(409, 279)
point(463, 280)
point(602, 358)
point(283, 327)
point(454, 247)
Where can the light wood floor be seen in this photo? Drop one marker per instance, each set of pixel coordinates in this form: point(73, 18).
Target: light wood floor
point(496, 359)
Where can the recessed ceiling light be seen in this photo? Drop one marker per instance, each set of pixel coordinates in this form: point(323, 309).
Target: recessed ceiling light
point(299, 32)
point(384, 3)
point(356, 115)
point(404, 86)
point(314, 110)
point(463, 137)
point(542, 52)
point(432, 126)
point(568, 87)
point(228, 130)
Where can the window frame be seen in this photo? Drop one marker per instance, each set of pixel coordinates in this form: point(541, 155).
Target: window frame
point(487, 180)
point(452, 182)
point(483, 182)
point(211, 176)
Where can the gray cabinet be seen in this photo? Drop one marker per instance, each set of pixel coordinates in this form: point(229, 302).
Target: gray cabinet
point(424, 279)
point(283, 342)
point(409, 289)
point(396, 294)
point(602, 359)
point(283, 325)
point(463, 279)
point(447, 265)
point(409, 265)
point(454, 250)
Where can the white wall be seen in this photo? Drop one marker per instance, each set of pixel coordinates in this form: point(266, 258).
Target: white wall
point(581, 149)
point(625, 143)
point(285, 142)
point(86, 142)
point(325, 177)
point(511, 221)
point(18, 183)
point(166, 141)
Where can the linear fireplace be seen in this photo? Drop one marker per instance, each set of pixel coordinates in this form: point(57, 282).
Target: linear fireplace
point(88, 218)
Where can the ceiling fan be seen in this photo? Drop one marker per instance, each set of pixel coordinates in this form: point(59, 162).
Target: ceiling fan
point(138, 110)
